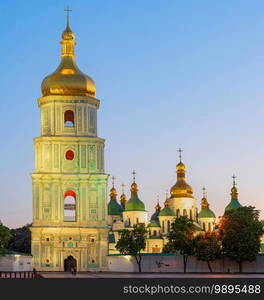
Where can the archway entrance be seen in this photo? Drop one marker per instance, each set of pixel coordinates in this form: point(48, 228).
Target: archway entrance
point(69, 263)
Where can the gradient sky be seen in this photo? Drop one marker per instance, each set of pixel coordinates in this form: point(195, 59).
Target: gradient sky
point(169, 74)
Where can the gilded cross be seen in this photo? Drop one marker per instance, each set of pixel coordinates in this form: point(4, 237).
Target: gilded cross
point(180, 153)
point(123, 188)
point(204, 192)
point(68, 10)
point(113, 180)
point(234, 180)
point(134, 175)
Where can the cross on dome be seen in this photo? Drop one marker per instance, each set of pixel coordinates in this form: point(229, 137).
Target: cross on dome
point(180, 153)
point(204, 192)
point(134, 175)
point(113, 180)
point(123, 188)
point(68, 10)
point(234, 180)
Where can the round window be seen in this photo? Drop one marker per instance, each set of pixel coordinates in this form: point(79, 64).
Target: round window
point(69, 155)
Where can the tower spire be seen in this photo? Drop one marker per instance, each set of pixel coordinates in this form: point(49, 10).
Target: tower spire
point(113, 181)
point(204, 192)
point(180, 154)
point(68, 10)
point(234, 193)
point(157, 207)
point(204, 202)
point(68, 38)
point(134, 176)
point(113, 193)
point(123, 200)
point(134, 187)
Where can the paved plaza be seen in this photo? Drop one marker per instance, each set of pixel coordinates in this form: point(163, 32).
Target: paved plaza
point(145, 275)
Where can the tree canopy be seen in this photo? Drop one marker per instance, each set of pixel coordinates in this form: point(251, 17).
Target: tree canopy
point(21, 239)
point(240, 232)
point(5, 236)
point(132, 242)
point(208, 247)
point(181, 238)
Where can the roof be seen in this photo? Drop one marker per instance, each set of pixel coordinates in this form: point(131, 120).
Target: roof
point(154, 223)
point(167, 211)
point(206, 213)
point(114, 208)
point(234, 204)
point(134, 204)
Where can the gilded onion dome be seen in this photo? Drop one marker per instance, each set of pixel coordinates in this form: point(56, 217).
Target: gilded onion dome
point(67, 78)
point(134, 203)
point(123, 199)
point(234, 203)
point(181, 188)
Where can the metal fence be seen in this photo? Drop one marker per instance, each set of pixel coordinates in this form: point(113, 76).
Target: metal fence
point(17, 274)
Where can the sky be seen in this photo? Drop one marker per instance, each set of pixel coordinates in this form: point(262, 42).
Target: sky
point(169, 74)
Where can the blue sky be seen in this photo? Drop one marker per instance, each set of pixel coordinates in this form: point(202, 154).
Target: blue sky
point(169, 74)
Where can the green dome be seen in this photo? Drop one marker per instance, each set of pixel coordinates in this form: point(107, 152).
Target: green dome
point(167, 211)
point(134, 204)
point(153, 223)
point(234, 204)
point(114, 209)
point(206, 213)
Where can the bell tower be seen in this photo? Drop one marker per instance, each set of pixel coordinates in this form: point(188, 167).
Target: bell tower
point(69, 183)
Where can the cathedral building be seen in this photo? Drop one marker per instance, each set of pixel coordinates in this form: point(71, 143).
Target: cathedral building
point(180, 203)
point(69, 184)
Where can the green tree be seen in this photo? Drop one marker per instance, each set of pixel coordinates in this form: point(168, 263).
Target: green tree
point(181, 239)
point(240, 232)
point(5, 236)
point(21, 239)
point(208, 247)
point(132, 242)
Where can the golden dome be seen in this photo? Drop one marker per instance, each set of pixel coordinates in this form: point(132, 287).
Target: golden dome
point(67, 78)
point(234, 193)
point(113, 193)
point(181, 188)
point(204, 203)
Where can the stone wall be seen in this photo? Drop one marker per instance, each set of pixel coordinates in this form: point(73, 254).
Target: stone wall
point(173, 263)
point(15, 262)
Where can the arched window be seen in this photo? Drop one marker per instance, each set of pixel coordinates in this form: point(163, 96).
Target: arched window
point(155, 232)
point(178, 213)
point(185, 212)
point(163, 227)
point(204, 226)
point(210, 228)
point(137, 220)
point(191, 216)
point(168, 225)
point(69, 206)
point(69, 118)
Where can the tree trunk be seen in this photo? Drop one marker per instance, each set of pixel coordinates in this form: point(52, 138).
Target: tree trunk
point(138, 260)
point(240, 264)
point(209, 266)
point(185, 258)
